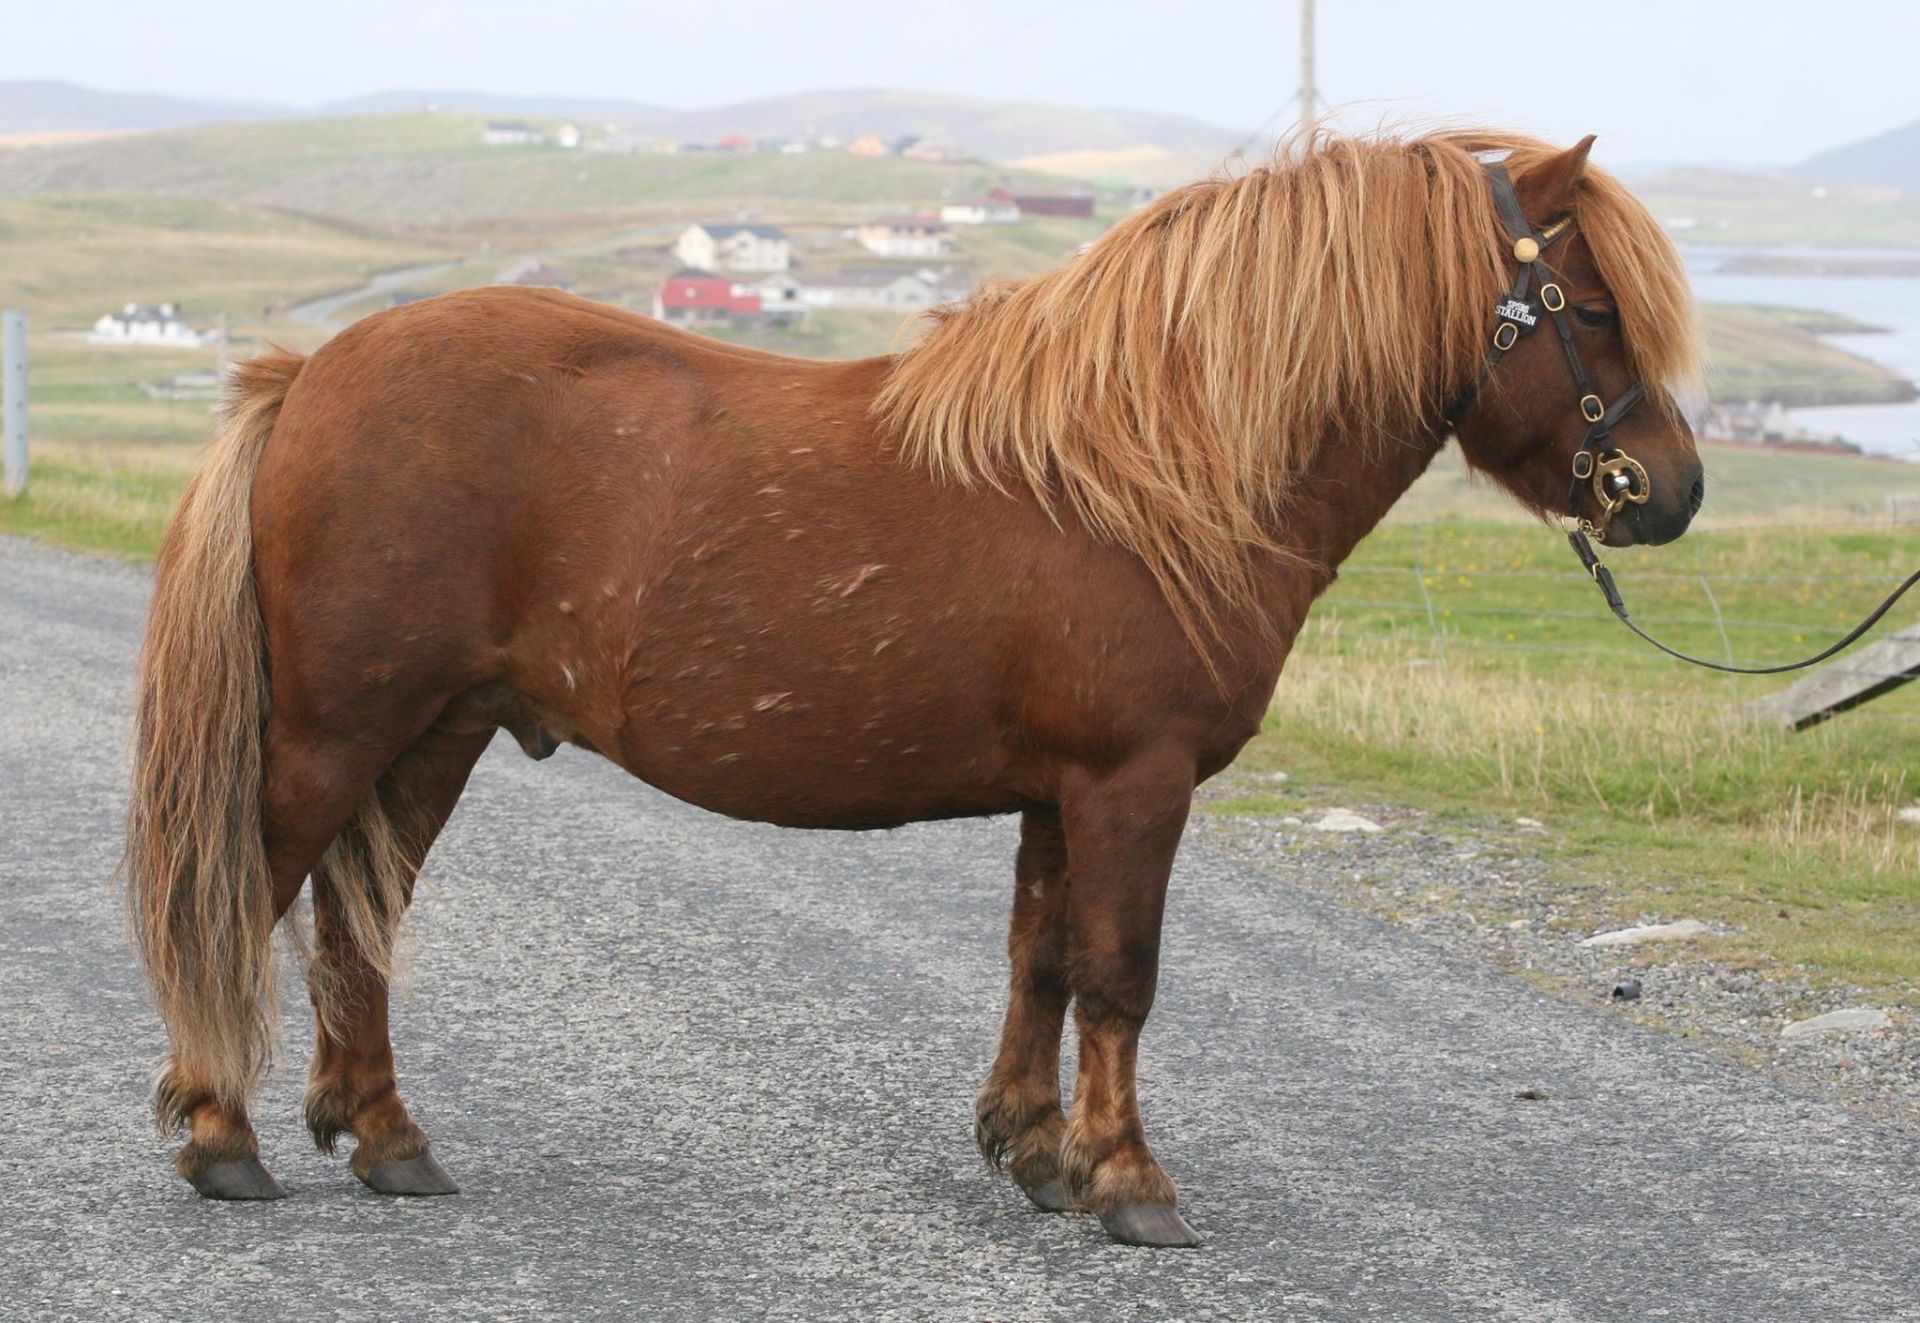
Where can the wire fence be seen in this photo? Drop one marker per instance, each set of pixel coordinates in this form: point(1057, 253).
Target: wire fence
point(1551, 622)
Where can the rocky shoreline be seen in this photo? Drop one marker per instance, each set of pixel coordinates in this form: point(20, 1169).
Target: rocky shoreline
point(1484, 891)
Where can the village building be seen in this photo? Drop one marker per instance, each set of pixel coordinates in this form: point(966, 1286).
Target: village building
point(532, 271)
point(734, 247)
point(867, 144)
point(691, 297)
point(148, 324)
point(980, 211)
point(932, 151)
point(567, 135)
point(885, 287)
point(511, 133)
point(782, 301)
point(905, 236)
point(1047, 204)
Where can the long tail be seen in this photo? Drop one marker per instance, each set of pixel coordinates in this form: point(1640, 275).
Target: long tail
point(198, 886)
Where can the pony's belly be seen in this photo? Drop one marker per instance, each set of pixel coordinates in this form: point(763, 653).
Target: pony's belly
point(772, 755)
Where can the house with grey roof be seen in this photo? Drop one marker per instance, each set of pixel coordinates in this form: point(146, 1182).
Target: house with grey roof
point(734, 246)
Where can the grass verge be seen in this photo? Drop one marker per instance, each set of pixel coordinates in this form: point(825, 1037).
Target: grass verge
point(1451, 672)
point(92, 502)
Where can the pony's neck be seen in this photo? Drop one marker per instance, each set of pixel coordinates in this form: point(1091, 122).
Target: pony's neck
point(1344, 494)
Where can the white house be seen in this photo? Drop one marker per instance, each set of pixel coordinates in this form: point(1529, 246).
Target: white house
point(567, 135)
point(734, 247)
point(884, 287)
point(783, 300)
point(905, 236)
point(980, 211)
point(511, 133)
point(142, 324)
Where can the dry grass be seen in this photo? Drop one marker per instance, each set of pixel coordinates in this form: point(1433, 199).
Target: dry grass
point(1676, 803)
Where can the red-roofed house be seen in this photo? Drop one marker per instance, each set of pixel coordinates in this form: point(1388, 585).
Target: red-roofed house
point(700, 298)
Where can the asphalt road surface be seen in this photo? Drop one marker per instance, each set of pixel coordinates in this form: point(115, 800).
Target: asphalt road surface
point(687, 1068)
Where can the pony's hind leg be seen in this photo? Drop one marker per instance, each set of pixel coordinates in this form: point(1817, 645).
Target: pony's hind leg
point(360, 891)
point(1122, 832)
point(1017, 1120)
point(311, 791)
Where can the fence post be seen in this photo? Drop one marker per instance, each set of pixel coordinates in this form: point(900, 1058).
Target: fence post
point(13, 397)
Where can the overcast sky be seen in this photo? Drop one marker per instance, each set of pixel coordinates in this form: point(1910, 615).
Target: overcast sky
point(1752, 81)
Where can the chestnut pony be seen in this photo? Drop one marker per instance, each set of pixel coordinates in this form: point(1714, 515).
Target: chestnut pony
point(1049, 561)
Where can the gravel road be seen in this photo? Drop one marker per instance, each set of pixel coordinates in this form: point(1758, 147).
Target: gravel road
point(687, 1068)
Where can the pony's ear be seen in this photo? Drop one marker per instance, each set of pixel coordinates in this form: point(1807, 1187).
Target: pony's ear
point(1547, 190)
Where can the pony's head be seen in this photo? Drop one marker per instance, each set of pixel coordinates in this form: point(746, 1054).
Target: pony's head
point(1595, 313)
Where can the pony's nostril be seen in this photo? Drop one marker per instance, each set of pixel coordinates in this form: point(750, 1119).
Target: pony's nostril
point(1697, 497)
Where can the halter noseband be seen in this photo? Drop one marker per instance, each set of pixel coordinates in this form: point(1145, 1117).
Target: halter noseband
point(1616, 477)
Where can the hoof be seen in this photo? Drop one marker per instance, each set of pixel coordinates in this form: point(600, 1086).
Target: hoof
point(1049, 1196)
point(420, 1175)
point(1158, 1225)
point(237, 1178)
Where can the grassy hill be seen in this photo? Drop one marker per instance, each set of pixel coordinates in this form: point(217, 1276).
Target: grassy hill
point(1757, 353)
point(431, 174)
point(1723, 206)
point(996, 130)
point(68, 260)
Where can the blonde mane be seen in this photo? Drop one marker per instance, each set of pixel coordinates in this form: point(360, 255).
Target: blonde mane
point(1168, 386)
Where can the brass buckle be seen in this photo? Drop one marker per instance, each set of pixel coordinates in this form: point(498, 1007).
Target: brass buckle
point(1553, 297)
point(1505, 335)
point(1592, 409)
point(1583, 464)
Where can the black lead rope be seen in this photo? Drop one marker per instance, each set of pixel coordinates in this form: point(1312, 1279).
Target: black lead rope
point(1616, 477)
point(1604, 577)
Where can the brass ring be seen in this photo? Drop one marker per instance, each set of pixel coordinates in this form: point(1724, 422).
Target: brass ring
point(1504, 336)
point(1551, 295)
point(1592, 409)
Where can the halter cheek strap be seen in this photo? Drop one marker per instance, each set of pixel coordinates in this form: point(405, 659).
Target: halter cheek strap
point(1616, 478)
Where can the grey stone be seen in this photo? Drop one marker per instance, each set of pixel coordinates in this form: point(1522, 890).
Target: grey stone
point(1683, 930)
point(1344, 820)
point(1852, 1020)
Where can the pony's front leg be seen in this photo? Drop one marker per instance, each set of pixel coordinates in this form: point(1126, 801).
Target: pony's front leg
point(1017, 1121)
point(1122, 830)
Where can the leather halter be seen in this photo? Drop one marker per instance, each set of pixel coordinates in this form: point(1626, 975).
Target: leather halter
point(1616, 477)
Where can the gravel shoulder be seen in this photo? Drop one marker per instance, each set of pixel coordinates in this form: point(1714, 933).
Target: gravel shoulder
point(1485, 890)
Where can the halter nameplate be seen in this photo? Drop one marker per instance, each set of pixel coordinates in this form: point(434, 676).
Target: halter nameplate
point(1514, 310)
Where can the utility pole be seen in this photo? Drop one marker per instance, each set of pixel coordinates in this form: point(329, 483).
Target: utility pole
point(1306, 64)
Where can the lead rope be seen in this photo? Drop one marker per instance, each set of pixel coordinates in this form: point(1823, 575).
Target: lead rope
point(1604, 577)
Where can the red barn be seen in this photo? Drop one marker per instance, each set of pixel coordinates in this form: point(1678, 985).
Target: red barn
point(699, 298)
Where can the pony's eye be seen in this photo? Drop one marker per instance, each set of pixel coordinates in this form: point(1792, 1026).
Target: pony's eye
point(1596, 317)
